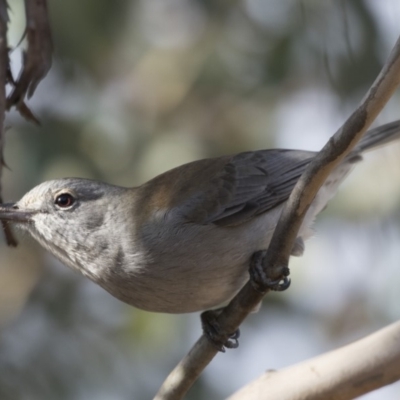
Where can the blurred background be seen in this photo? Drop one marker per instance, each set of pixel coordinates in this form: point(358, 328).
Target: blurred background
point(138, 87)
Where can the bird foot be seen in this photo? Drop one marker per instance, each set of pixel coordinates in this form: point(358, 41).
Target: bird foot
point(212, 330)
point(260, 278)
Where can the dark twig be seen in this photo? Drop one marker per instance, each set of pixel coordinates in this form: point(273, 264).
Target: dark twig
point(187, 371)
point(36, 64)
point(4, 70)
point(37, 58)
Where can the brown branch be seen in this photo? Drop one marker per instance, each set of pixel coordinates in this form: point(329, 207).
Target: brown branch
point(345, 373)
point(4, 71)
point(186, 372)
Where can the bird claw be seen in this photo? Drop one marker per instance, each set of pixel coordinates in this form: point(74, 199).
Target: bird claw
point(279, 285)
point(261, 281)
point(212, 330)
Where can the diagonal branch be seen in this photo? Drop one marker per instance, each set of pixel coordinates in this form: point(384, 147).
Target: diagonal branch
point(187, 371)
point(345, 373)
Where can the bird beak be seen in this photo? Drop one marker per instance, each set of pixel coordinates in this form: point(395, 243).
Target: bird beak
point(12, 213)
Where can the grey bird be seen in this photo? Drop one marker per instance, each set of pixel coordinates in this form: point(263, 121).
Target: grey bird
point(181, 242)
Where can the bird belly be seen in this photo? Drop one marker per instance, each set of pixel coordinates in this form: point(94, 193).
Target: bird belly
point(193, 268)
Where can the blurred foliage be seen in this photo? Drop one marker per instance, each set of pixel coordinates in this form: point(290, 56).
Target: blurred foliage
point(142, 86)
point(86, 32)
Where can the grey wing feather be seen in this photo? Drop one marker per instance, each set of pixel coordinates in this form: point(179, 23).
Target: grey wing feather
point(251, 183)
point(256, 182)
point(379, 136)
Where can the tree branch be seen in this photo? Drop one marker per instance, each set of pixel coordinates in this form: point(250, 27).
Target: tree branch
point(186, 372)
point(346, 373)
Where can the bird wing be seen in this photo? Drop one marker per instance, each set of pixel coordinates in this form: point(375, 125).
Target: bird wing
point(247, 185)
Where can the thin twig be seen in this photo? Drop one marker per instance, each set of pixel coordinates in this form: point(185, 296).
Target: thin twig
point(187, 371)
point(4, 68)
point(37, 58)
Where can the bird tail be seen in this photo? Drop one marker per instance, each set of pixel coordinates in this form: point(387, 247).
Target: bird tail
point(379, 136)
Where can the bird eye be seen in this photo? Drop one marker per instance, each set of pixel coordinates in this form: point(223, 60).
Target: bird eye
point(64, 200)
